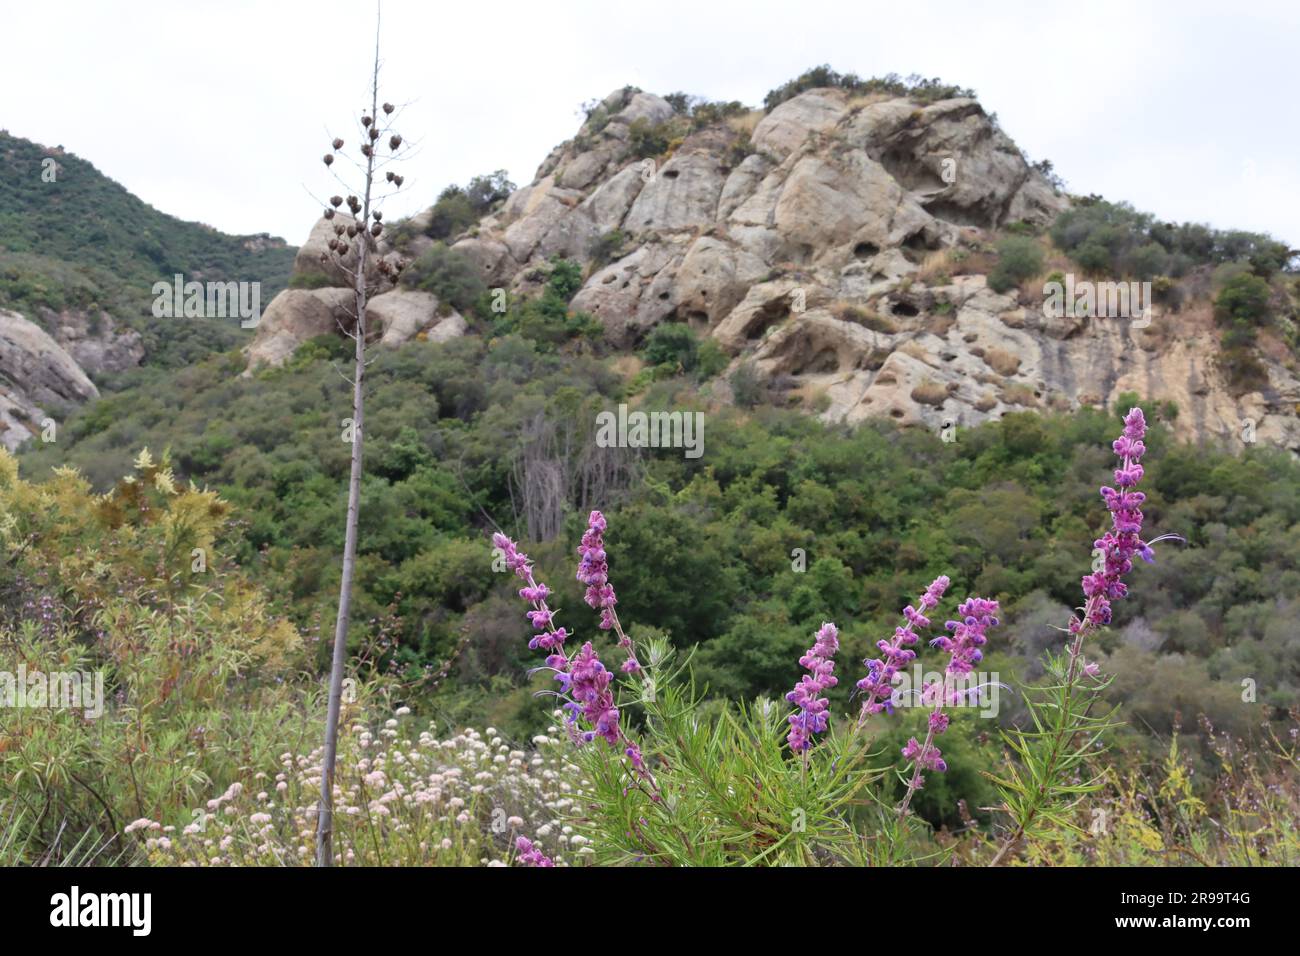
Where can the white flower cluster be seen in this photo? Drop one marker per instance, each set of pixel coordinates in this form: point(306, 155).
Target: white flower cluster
point(398, 801)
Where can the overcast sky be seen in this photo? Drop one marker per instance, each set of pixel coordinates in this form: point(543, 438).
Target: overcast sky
point(219, 111)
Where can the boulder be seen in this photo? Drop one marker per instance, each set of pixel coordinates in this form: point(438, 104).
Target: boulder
point(682, 194)
point(789, 125)
point(307, 264)
point(452, 327)
point(400, 315)
point(94, 340)
point(37, 378)
point(293, 317)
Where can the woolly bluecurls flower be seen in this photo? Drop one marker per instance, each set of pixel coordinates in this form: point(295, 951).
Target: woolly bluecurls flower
point(927, 757)
point(877, 686)
point(977, 616)
point(963, 647)
point(529, 855)
point(1123, 541)
point(812, 717)
point(583, 679)
point(587, 682)
point(541, 617)
point(593, 571)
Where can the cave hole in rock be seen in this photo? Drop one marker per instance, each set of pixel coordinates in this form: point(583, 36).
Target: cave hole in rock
point(915, 246)
point(823, 362)
point(697, 319)
point(865, 250)
point(905, 309)
point(769, 315)
point(671, 173)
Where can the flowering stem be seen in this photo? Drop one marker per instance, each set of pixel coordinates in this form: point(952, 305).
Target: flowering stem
point(915, 783)
point(1064, 734)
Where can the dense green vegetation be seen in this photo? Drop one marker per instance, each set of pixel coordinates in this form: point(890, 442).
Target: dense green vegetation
point(1117, 239)
point(709, 551)
point(82, 241)
point(919, 88)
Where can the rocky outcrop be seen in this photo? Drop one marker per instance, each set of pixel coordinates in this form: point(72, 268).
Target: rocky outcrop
point(94, 340)
point(338, 272)
point(296, 315)
point(803, 241)
point(827, 183)
point(405, 314)
point(967, 355)
point(396, 316)
point(38, 379)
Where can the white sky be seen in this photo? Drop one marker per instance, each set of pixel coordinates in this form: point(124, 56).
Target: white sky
point(218, 110)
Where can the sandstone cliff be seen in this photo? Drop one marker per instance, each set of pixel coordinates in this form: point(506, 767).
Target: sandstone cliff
point(805, 241)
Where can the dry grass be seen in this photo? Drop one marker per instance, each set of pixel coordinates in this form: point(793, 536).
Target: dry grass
point(744, 124)
point(868, 318)
point(966, 263)
point(930, 393)
point(1002, 361)
point(917, 351)
point(627, 366)
point(857, 103)
point(1022, 395)
point(936, 268)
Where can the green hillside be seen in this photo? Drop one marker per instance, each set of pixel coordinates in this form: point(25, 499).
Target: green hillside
point(83, 241)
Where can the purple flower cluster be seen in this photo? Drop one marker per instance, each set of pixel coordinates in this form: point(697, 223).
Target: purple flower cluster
point(529, 855)
point(583, 679)
point(593, 571)
point(541, 617)
point(927, 757)
point(963, 647)
point(977, 616)
point(1123, 541)
point(877, 686)
point(587, 682)
point(812, 717)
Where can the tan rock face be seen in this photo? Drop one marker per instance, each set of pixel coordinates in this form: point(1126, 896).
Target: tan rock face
point(839, 192)
point(308, 262)
point(38, 379)
point(94, 340)
point(967, 365)
point(293, 317)
point(401, 314)
point(787, 128)
point(801, 252)
point(405, 314)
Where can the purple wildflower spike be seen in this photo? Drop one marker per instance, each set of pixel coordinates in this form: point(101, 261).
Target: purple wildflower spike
point(977, 615)
point(813, 717)
point(583, 679)
point(593, 571)
point(877, 686)
point(1123, 541)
